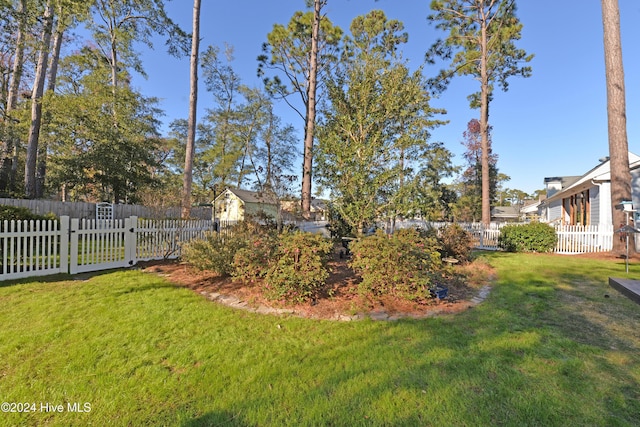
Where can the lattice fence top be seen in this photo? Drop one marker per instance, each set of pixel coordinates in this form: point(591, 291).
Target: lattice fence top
point(104, 211)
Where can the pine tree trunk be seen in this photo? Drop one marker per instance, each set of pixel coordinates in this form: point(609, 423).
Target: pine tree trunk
point(616, 113)
point(307, 166)
point(193, 103)
point(7, 177)
point(36, 105)
point(41, 170)
point(484, 130)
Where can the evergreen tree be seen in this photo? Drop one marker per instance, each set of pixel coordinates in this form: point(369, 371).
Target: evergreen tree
point(480, 42)
point(372, 149)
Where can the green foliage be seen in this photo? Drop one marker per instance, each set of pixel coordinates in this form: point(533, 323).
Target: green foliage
point(237, 252)
point(337, 225)
point(468, 206)
point(300, 272)
point(379, 118)
point(100, 146)
point(464, 21)
point(15, 213)
point(124, 23)
point(241, 138)
point(455, 242)
point(532, 237)
point(253, 261)
point(213, 253)
point(403, 264)
point(287, 54)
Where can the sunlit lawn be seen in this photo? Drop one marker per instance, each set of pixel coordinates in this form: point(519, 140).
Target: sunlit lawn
point(547, 348)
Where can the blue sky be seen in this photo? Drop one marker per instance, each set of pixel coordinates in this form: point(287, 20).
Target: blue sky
point(553, 123)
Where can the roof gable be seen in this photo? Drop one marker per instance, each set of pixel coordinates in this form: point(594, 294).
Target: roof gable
point(600, 173)
point(251, 196)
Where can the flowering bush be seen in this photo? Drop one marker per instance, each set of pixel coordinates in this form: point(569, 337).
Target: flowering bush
point(300, 269)
point(401, 265)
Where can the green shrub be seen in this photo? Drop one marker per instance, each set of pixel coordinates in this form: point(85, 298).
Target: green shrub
point(401, 265)
point(532, 237)
point(213, 253)
point(217, 251)
point(252, 262)
point(456, 242)
point(300, 269)
point(16, 213)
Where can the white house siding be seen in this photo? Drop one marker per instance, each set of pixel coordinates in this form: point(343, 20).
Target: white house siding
point(605, 204)
point(566, 218)
point(554, 211)
point(230, 209)
point(594, 195)
point(261, 208)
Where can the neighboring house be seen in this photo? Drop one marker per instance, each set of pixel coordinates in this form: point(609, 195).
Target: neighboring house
point(586, 199)
point(505, 213)
point(530, 210)
point(234, 205)
point(319, 210)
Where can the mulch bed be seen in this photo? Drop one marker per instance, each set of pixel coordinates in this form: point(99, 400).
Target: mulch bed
point(341, 295)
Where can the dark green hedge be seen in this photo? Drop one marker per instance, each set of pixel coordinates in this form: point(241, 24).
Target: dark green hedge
point(532, 237)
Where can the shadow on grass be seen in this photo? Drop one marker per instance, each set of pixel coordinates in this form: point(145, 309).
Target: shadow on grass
point(530, 355)
point(62, 277)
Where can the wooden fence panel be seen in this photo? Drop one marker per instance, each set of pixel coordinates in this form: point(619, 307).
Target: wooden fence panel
point(88, 210)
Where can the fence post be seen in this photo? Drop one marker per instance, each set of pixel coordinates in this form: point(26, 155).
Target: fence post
point(73, 252)
point(64, 244)
point(130, 225)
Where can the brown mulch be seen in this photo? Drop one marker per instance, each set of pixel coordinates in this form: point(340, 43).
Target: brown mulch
point(341, 296)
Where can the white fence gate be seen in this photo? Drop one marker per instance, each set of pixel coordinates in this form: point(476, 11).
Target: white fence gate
point(39, 248)
point(101, 245)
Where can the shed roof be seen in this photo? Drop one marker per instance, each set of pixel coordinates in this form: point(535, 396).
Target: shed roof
point(248, 196)
point(505, 212)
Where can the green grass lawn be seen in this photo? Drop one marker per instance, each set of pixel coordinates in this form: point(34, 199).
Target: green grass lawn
point(546, 348)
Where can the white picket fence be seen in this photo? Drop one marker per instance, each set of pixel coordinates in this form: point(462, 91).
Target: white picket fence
point(572, 239)
point(39, 248)
point(578, 239)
